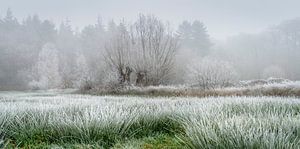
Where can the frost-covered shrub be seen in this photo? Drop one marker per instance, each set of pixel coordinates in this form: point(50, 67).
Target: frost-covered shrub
point(42, 83)
point(212, 73)
point(111, 80)
point(259, 82)
point(277, 80)
point(47, 69)
point(82, 73)
point(253, 82)
point(273, 71)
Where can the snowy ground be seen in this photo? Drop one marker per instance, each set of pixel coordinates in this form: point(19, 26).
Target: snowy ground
point(57, 118)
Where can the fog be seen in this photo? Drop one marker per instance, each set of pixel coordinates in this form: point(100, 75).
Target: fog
point(222, 18)
point(76, 43)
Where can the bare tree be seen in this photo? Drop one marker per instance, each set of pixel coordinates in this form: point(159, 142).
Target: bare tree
point(148, 48)
point(155, 47)
point(117, 54)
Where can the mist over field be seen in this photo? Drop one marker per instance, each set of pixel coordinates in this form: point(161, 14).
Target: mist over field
point(149, 74)
point(68, 42)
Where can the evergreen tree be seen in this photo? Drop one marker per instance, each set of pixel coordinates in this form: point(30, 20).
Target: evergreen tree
point(194, 36)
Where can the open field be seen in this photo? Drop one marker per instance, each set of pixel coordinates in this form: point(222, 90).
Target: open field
point(59, 120)
point(159, 74)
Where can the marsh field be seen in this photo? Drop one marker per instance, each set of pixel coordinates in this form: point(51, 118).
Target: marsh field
point(59, 119)
point(149, 74)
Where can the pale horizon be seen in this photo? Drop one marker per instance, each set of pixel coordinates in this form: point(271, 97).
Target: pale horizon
point(222, 19)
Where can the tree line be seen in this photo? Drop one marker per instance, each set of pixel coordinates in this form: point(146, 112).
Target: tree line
point(38, 54)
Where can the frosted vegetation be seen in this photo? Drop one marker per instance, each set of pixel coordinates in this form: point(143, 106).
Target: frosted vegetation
point(260, 87)
point(177, 87)
point(38, 54)
point(53, 119)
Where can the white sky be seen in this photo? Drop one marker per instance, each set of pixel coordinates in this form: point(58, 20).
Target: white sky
point(223, 18)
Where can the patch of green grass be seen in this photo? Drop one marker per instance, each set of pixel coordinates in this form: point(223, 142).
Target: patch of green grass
point(160, 141)
point(43, 145)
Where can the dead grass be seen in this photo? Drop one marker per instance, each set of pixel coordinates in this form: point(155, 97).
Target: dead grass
point(283, 91)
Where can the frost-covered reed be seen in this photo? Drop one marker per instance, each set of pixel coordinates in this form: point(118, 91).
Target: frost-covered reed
point(212, 122)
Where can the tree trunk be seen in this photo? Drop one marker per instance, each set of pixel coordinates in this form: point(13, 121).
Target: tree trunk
point(141, 78)
point(128, 71)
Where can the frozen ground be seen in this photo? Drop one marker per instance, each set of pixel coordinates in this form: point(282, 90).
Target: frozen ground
point(54, 119)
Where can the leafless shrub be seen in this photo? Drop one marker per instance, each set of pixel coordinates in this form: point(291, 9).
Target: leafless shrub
point(211, 73)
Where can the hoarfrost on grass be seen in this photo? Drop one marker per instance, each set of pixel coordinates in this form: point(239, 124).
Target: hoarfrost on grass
point(271, 122)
